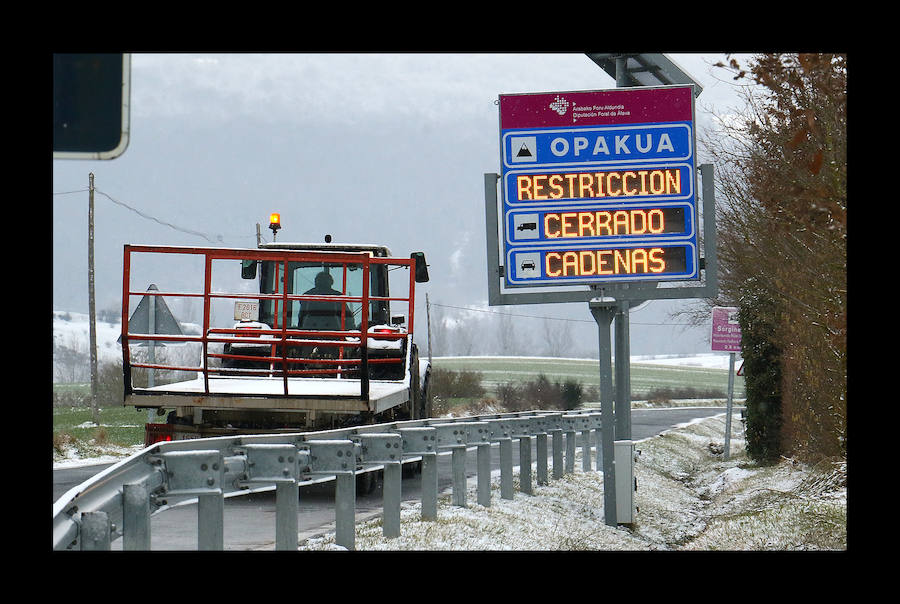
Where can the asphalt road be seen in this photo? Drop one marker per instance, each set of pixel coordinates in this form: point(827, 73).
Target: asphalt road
point(250, 519)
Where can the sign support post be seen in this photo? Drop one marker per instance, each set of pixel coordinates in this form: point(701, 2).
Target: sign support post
point(623, 372)
point(604, 309)
point(726, 337)
point(729, 405)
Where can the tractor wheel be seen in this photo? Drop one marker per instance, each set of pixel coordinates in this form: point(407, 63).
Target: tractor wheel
point(416, 410)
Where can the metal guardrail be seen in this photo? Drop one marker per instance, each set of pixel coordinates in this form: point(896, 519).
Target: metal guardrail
point(119, 501)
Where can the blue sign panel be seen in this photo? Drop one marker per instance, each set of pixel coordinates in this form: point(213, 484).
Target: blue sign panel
point(599, 186)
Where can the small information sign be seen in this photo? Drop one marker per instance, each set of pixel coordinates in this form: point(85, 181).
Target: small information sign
point(726, 331)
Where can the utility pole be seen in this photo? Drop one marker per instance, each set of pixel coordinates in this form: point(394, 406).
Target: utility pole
point(95, 413)
point(428, 320)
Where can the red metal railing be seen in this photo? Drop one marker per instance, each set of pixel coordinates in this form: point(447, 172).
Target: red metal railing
point(285, 344)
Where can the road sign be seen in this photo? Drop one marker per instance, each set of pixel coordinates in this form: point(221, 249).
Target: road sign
point(726, 331)
point(163, 321)
point(599, 186)
point(91, 105)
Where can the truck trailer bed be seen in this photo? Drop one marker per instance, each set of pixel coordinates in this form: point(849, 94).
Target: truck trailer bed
point(317, 394)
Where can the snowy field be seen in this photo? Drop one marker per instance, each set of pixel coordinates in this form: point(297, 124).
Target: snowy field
point(70, 330)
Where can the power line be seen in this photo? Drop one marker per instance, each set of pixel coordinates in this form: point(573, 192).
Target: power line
point(218, 238)
point(157, 220)
point(551, 318)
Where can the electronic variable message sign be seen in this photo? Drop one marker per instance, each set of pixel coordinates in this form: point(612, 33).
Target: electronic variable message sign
point(599, 186)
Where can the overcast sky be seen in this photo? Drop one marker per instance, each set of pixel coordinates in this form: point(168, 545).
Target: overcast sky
point(366, 147)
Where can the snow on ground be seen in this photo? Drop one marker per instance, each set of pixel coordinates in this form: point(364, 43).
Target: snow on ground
point(111, 454)
point(688, 498)
point(710, 360)
point(72, 330)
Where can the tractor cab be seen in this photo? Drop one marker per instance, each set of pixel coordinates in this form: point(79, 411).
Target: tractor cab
point(333, 288)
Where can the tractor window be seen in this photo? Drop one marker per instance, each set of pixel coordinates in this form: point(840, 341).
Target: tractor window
point(325, 279)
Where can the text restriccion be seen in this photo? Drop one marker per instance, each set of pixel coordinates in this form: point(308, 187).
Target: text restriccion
point(590, 185)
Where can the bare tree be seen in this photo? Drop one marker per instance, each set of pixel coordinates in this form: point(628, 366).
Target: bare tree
point(557, 337)
point(512, 335)
point(781, 175)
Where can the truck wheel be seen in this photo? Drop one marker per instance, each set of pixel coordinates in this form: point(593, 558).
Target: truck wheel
point(411, 469)
point(426, 397)
point(366, 482)
point(416, 406)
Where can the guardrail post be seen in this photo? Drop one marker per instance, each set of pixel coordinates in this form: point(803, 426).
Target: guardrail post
point(458, 463)
point(453, 436)
point(211, 521)
point(542, 475)
point(595, 422)
point(386, 449)
point(392, 478)
point(570, 451)
point(483, 457)
point(525, 465)
point(429, 486)
point(200, 473)
point(135, 516)
point(345, 509)
point(567, 424)
point(599, 443)
point(95, 531)
point(586, 450)
point(478, 433)
point(279, 463)
point(499, 430)
point(547, 423)
point(522, 429)
point(287, 507)
point(338, 457)
point(423, 441)
point(506, 473)
point(556, 436)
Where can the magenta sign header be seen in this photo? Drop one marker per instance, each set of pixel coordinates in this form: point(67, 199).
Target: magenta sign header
point(596, 107)
point(726, 331)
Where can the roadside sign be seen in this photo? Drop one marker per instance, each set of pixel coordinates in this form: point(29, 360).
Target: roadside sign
point(161, 321)
point(91, 105)
point(599, 186)
point(726, 331)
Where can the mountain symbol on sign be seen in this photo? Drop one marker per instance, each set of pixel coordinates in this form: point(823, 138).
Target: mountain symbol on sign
point(524, 151)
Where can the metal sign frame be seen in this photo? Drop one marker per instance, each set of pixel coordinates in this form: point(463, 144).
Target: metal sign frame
point(643, 69)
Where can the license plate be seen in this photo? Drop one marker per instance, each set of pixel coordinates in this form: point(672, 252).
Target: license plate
point(246, 311)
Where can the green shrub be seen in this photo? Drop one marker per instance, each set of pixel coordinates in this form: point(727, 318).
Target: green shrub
point(665, 394)
point(540, 393)
point(446, 384)
point(759, 317)
point(571, 393)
